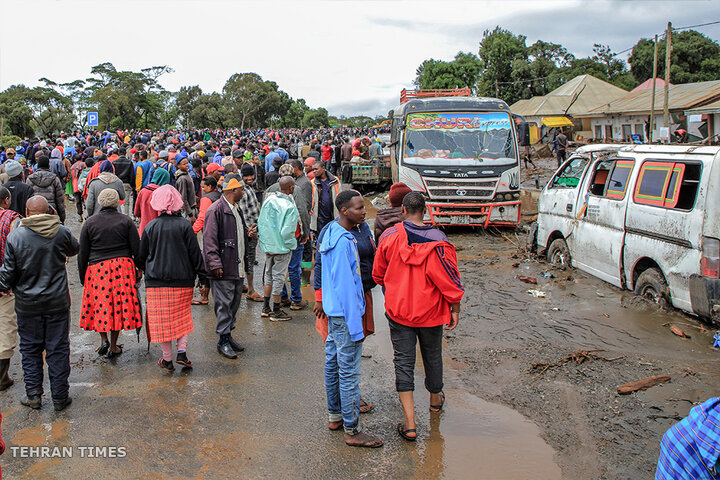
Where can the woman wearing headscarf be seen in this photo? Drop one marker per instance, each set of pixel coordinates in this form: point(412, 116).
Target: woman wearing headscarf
point(105, 179)
point(171, 259)
point(109, 242)
point(143, 209)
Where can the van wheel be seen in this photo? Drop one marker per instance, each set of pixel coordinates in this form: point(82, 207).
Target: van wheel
point(558, 253)
point(651, 285)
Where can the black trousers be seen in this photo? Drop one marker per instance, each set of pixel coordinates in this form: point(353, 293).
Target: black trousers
point(404, 339)
point(50, 334)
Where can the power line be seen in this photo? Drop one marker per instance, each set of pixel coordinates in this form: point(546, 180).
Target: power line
point(698, 25)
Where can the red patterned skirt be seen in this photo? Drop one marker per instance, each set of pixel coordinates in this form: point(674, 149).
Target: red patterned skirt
point(110, 300)
point(169, 315)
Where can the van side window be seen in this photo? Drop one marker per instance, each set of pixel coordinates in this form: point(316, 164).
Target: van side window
point(619, 179)
point(571, 173)
point(611, 177)
point(668, 184)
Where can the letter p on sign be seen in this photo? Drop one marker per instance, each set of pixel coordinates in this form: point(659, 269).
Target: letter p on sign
point(92, 119)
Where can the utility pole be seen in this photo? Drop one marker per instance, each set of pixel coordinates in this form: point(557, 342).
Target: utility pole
point(497, 89)
point(668, 51)
point(652, 101)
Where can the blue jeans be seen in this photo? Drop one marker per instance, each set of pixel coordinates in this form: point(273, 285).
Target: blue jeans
point(295, 273)
point(342, 374)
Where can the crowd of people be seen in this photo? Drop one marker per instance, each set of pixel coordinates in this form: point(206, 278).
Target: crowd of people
point(184, 210)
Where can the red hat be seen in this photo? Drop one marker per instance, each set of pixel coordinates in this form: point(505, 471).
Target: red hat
point(309, 161)
point(397, 194)
point(213, 167)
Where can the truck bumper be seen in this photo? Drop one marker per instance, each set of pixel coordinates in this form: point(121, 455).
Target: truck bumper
point(500, 214)
point(705, 297)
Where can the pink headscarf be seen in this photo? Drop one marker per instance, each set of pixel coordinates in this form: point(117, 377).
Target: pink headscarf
point(166, 199)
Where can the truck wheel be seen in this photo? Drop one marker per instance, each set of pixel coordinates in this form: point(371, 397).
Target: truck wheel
point(558, 253)
point(651, 285)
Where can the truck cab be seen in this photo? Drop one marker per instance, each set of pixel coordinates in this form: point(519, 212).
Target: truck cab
point(461, 153)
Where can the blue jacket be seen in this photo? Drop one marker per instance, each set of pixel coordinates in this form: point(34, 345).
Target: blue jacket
point(268, 161)
point(366, 251)
point(342, 288)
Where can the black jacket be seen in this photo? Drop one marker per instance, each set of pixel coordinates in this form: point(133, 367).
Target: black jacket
point(169, 253)
point(19, 194)
point(105, 235)
point(124, 170)
point(34, 268)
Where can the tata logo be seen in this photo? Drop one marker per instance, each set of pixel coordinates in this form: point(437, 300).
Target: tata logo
point(461, 193)
point(461, 174)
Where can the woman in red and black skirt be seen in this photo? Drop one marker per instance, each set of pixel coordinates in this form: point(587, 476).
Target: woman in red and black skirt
point(171, 259)
point(109, 242)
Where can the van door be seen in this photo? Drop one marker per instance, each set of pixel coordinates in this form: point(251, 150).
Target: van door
point(556, 206)
point(600, 230)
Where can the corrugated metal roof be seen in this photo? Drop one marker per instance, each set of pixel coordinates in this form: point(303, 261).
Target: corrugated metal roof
point(713, 107)
point(681, 97)
point(591, 93)
point(659, 83)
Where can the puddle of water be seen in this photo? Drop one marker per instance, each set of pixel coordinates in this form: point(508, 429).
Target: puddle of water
point(471, 438)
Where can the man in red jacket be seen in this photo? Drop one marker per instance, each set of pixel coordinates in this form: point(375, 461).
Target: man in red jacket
point(418, 268)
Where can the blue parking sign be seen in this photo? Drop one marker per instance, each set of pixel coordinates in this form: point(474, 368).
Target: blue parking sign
point(92, 119)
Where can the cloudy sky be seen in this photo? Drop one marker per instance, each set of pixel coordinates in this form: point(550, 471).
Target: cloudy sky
point(351, 57)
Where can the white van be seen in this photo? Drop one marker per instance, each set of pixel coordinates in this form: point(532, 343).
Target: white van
point(642, 217)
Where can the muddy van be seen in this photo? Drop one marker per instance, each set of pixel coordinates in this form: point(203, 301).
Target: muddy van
point(642, 217)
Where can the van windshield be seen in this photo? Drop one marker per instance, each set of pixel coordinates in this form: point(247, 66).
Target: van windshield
point(467, 139)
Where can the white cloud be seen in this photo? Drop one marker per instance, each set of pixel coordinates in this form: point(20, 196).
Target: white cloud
point(343, 55)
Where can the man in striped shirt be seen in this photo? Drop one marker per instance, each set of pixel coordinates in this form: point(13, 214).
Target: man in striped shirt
point(690, 448)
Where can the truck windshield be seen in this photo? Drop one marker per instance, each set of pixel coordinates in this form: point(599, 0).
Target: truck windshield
point(459, 139)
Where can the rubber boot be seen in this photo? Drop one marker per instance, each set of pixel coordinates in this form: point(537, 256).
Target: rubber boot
point(5, 380)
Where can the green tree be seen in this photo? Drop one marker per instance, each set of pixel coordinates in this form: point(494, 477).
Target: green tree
point(316, 118)
point(694, 58)
point(252, 101)
point(295, 114)
point(541, 71)
point(499, 48)
point(463, 71)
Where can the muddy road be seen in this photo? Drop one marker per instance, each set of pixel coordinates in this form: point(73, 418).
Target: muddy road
point(595, 432)
point(264, 415)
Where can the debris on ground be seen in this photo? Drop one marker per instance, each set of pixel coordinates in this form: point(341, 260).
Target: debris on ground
point(547, 274)
point(677, 331)
point(537, 293)
point(532, 280)
point(642, 384)
point(578, 356)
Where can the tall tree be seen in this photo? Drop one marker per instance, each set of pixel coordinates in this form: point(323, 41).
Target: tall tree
point(463, 71)
point(695, 58)
point(253, 101)
point(499, 48)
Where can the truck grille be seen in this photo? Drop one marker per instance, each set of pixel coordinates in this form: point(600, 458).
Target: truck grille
point(461, 189)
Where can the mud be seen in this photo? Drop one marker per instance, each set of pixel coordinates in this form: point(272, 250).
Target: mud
point(595, 432)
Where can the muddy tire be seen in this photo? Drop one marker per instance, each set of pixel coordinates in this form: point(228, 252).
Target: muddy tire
point(652, 286)
point(558, 253)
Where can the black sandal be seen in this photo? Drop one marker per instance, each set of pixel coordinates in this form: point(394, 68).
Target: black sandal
point(103, 348)
point(404, 433)
point(111, 354)
point(438, 408)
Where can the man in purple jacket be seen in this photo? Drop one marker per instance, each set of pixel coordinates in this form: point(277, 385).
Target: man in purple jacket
point(225, 236)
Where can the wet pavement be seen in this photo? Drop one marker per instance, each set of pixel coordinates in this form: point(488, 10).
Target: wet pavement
point(264, 415)
point(260, 416)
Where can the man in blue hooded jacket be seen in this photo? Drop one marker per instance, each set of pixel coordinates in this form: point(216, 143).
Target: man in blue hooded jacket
point(343, 301)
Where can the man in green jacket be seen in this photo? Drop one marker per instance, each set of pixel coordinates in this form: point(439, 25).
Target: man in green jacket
point(278, 229)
